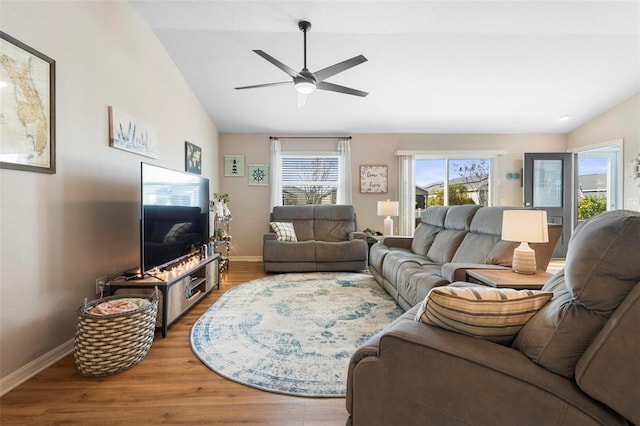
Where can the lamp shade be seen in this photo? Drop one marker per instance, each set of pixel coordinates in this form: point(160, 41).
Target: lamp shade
point(388, 208)
point(304, 87)
point(525, 226)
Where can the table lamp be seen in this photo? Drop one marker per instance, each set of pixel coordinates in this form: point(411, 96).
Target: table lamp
point(525, 226)
point(388, 209)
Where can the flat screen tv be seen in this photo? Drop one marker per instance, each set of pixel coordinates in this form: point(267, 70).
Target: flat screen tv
point(174, 216)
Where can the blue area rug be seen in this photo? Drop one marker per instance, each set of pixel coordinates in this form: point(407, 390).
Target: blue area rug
point(292, 333)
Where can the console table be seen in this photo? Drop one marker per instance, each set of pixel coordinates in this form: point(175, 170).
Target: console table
point(179, 288)
point(507, 278)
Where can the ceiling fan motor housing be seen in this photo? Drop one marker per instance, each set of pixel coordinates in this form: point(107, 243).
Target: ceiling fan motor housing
point(304, 26)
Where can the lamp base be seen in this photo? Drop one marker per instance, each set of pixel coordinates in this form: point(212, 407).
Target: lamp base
point(388, 226)
point(524, 260)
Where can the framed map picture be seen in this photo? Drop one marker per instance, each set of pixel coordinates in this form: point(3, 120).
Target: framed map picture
point(373, 179)
point(258, 174)
point(27, 80)
point(192, 158)
point(234, 165)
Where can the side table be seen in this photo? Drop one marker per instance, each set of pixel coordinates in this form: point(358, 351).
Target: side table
point(501, 278)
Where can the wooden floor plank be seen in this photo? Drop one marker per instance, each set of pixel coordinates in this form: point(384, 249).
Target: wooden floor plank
point(170, 386)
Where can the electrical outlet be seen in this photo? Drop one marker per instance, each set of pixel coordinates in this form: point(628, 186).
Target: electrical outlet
point(101, 283)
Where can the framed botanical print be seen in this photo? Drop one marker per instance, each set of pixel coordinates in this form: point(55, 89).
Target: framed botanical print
point(258, 174)
point(373, 179)
point(234, 165)
point(131, 134)
point(28, 105)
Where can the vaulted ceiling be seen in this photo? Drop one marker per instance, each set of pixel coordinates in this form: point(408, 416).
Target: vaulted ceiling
point(471, 66)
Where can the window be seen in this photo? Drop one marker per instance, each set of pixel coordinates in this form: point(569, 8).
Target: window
point(598, 181)
point(452, 181)
point(309, 179)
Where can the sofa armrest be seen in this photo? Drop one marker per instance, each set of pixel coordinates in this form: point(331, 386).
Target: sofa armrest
point(357, 235)
point(420, 374)
point(269, 236)
point(399, 242)
point(453, 272)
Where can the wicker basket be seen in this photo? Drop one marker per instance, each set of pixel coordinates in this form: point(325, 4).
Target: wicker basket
point(109, 344)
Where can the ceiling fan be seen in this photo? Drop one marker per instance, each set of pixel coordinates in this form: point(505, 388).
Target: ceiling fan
point(306, 82)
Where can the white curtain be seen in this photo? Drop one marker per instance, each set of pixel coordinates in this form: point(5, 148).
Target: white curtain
point(344, 174)
point(275, 173)
point(407, 194)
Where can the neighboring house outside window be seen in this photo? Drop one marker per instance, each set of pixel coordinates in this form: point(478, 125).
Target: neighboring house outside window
point(309, 179)
point(452, 181)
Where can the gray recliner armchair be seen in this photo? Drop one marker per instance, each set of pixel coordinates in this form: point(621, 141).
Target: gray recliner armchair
point(575, 362)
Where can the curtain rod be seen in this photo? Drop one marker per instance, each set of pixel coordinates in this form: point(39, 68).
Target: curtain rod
point(309, 137)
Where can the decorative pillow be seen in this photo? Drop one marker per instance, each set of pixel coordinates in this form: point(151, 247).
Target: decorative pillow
point(175, 231)
point(495, 314)
point(284, 231)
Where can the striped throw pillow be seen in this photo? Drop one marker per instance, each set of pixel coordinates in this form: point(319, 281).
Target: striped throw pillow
point(495, 314)
point(284, 231)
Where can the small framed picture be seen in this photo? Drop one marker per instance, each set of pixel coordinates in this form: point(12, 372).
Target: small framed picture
point(258, 174)
point(234, 165)
point(131, 134)
point(373, 179)
point(192, 158)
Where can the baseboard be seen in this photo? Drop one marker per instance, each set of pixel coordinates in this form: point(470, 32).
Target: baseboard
point(245, 258)
point(24, 373)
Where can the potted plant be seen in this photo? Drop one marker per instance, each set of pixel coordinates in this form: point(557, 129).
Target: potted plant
point(372, 236)
point(219, 204)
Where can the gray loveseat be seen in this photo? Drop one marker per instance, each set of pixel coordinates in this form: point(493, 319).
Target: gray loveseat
point(575, 362)
point(327, 240)
point(447, 242)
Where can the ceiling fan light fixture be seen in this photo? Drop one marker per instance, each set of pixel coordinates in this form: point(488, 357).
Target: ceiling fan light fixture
point(304, 87)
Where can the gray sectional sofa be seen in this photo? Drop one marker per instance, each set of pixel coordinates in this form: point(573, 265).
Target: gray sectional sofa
point(327, 240)
point(447, 242)
point(575, 362)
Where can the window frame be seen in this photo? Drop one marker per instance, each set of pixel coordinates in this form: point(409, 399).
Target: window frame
point(460, 156)
point(311, 155)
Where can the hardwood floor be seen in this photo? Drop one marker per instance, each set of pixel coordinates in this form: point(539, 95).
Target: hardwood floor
point(170, 386)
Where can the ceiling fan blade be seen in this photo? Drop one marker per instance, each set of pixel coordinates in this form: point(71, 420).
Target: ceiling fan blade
point(302, 100)
point(339, 67)
point(290, 71)
point(282, 83)
point(323, 85)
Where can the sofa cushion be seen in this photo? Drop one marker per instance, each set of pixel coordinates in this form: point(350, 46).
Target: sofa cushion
point(483, 243)
point(280, 251)
point(284, 231)
point(600, 271)
point(300, 216)
point(609, 370)
point(423, 237)
point(341, 251)
point(445, 245)
point(426, 231)
point(456, 223)
point(495, 314)
point(334, 222)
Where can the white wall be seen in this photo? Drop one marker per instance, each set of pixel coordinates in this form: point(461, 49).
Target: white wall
point(249, 205)
point(59, 232)
point(620, 122)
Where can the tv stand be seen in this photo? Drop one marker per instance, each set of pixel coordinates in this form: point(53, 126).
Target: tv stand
point(181, 285)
